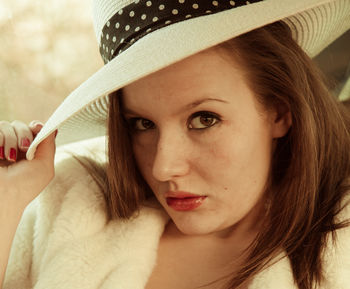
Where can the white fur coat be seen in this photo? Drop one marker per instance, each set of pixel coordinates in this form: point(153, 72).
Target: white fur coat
point(65, 241)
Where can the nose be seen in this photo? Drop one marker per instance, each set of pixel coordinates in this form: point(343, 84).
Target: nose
point(171, 157)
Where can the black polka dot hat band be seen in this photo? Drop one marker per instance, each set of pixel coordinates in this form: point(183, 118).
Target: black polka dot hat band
point(139, 37)
point(139, 18)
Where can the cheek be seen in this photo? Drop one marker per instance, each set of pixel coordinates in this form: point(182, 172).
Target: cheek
point(240, 161)
point(144, 154)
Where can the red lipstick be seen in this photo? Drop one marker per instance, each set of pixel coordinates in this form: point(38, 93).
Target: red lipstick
point(183, 201)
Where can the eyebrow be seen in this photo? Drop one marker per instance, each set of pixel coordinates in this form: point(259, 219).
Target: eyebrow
point(186, 107)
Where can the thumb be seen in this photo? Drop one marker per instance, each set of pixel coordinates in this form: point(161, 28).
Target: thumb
point(46, 150)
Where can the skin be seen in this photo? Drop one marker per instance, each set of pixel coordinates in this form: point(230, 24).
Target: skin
point(224, 154)
point(21, 180)
point(226, 158)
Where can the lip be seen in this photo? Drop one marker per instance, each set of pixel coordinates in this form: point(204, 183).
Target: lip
point(183, 201)
point(185, 204)
point(181, 195)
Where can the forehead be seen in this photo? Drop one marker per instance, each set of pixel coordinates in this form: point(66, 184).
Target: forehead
point(207, 72)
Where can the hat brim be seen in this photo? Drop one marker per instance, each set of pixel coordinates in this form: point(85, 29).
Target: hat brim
point(82, 115)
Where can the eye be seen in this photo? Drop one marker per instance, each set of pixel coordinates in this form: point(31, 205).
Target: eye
point(203, 119)
point(140, 124)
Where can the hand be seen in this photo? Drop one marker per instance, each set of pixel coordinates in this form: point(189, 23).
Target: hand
point(22, 180)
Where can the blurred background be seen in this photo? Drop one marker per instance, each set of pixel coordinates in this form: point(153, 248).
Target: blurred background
point(48, 48)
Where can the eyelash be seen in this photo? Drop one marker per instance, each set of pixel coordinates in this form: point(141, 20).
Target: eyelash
point(132, 122)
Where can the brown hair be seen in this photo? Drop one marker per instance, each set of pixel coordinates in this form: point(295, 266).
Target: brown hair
point(310, 166)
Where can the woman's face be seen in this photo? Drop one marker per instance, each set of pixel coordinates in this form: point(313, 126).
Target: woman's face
point(196, 128)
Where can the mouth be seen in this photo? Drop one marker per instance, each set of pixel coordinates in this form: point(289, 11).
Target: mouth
point(182, 195)
point(183, 201)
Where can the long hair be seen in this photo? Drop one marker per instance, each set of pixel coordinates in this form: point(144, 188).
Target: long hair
point(310, 166)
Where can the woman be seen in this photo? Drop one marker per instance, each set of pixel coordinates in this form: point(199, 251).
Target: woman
point(232, 162)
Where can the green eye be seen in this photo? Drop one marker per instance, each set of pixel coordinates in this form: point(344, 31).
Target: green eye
point(203, 119)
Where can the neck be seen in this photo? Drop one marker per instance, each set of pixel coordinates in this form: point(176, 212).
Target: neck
point(239, 235)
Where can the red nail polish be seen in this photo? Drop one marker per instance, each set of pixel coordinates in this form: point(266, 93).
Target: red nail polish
point(12, 154)
point(25, 142)
point(2, 153)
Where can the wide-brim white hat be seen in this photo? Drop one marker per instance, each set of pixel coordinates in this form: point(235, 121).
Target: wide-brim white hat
point(139, 37)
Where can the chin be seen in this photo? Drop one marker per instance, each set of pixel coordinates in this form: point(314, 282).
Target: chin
point(193, 228)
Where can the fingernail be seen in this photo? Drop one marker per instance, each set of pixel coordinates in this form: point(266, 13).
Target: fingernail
point(2, 153)
point(39, 125)
point(25, 142)
point(12, 156)
point(36, 122)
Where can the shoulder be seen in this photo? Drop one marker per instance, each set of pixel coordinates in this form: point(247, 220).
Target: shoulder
point(336, 257)
point(70, 206)
point(73, 193)
point(278, 275)
point(73, 229)
point(73, 207)
point(67, 169)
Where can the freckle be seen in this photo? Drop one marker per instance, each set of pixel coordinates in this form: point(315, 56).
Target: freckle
point(225, 189)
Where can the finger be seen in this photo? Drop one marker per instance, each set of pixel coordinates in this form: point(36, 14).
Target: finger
point(24, 135)
point(10, 141)
point(45, 152)
point(2, 152)
point(36, 126)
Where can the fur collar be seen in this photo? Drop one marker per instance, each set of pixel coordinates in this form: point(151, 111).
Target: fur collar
point(65, 241)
